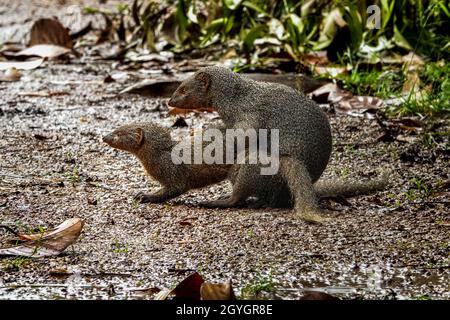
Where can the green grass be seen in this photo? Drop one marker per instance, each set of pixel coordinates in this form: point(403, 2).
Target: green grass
point(419, 189)
point(258, 285)
point(434, 86)
point(17, 263)
point(119, 247)
point(382, 84)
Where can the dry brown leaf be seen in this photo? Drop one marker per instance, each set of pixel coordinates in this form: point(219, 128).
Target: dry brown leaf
point(163, 294)
point(330, 93)
point(49, 243)
point(21, 65)
point(152, 88)
point(329, 71)
point(343, 101)
point(44, 51)
point(11, 75)
point(11, 47)
point(314, 295)
point(179, 123)
point(189, 288)
point(217, 291)
point(315, 58)
point(359, 103)
point(50, 31)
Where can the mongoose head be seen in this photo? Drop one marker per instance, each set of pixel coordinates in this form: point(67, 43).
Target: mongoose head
point(138, 136)
point(192, 93)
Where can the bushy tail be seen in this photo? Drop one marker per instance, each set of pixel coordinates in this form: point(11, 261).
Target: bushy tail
point(336, 188)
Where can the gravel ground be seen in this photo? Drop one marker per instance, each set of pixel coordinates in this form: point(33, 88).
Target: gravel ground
point(54, 166)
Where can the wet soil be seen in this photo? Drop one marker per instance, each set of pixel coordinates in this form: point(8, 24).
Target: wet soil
point(53, 166)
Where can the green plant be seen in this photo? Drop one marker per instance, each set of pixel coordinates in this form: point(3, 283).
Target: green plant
point(17, 263)
point(74, 177)
point(119, 247)
point(258, 284)
point(268, 31)
point(419, 190)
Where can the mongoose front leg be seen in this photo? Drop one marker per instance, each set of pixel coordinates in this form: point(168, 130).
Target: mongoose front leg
point(161, 195)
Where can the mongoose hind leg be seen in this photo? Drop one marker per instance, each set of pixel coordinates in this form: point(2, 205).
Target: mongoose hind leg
point(161, 195)
point(299, 182)
point(243, 187)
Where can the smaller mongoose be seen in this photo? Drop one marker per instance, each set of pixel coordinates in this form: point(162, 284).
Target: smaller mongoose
point(152, 145)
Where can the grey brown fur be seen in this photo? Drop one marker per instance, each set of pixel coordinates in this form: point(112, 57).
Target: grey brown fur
point(152, 145)
point(305, 134)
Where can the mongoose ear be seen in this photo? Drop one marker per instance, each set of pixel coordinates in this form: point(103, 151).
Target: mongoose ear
point(204, 78)
point(139, 135)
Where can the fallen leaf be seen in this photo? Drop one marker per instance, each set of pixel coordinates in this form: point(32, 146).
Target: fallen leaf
point(146, 291)
point(345, 102)
point(11, 75)
point(185, 223)
point(44, 51)
point(154, 88)
point(50, 31)
point(40, 137)
point(83, 31)
point(60, 272)
point(315, 58)
point(163, 294)
point(189, 288)
point(49, 243)
point(21, 65)
point(217, 291)
point(313, 295)
point(330, 93)
point(179, 123)
point(11, 47)
point(108, 79)
point(329, 71)
point(359, 103)
point(134, 57)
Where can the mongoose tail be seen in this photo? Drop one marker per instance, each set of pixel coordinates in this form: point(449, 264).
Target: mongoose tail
point(342, 188)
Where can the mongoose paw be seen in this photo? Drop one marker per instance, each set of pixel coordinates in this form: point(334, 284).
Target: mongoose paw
point(312, 217)
point(142, 197)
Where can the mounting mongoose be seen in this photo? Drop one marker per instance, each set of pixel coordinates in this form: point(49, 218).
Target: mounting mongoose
point(304, 137)
point(152, 145)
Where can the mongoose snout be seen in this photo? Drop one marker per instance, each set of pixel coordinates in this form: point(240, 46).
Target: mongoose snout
point(109, 138)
